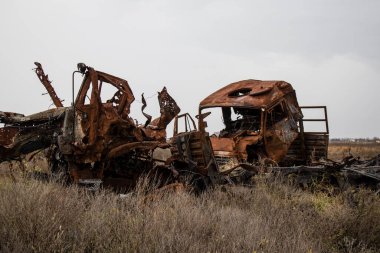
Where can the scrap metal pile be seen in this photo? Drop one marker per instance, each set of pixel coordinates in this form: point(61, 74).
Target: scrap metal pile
point(96, 141)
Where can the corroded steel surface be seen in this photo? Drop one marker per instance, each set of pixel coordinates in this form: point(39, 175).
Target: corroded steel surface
point(250, 93)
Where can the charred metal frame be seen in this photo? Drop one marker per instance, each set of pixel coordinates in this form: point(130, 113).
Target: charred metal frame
point(325, 134)
point(91, 141)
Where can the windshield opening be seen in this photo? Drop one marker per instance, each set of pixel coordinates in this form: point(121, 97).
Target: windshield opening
point(227, 121)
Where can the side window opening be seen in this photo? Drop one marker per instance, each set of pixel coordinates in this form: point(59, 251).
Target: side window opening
point(214, 120)
point(185, 124)
point(109, 93)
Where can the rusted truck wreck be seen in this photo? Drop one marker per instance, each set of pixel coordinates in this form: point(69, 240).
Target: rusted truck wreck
point(95, 138)
point(96, 141)
point(262, 130)
point(263, 124)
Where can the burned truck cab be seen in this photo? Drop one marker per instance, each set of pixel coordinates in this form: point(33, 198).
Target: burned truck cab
point(260, 120)
point(261, 124)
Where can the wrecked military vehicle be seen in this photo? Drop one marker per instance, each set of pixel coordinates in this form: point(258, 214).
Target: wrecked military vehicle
point(263, 130)
point(263, 123)
point(95, 139)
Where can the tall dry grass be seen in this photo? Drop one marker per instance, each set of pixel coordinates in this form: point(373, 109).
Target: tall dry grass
point(337, 151)
point(270, 217)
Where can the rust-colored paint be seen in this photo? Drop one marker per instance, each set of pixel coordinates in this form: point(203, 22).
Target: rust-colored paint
point(223, 144)
point(248, 93)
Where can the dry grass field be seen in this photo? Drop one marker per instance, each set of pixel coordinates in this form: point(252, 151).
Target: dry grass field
point(38, 216)
point(270, 217)
point(339, 150)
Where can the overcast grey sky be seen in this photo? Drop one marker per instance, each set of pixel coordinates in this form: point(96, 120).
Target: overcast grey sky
point(329, 50)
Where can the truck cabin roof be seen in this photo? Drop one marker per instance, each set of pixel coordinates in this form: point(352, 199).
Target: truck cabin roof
point(248, 93)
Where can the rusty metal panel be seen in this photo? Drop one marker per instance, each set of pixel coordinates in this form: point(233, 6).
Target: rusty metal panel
point(248, 93)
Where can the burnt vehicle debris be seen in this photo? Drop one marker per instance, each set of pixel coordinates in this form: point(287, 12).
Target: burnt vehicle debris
point(94, 139)
point(262, 122)
point(263, 130)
